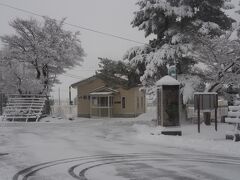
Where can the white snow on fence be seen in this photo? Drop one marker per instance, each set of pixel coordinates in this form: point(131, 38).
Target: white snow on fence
point(24, 107)
point(233, 115)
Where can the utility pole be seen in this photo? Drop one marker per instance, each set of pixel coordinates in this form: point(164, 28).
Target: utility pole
point(70, 98)
point(59, 101)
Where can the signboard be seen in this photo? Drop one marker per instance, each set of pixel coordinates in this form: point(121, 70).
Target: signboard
point(207, 101)
point(172, 71)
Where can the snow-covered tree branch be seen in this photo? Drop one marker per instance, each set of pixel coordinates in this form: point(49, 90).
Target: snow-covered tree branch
point(174, 26)
point(43, 49)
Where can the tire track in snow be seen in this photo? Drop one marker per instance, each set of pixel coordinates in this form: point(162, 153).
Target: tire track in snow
point(3, 154)
point(83, 164)
point(25, 173)
point(82, 173)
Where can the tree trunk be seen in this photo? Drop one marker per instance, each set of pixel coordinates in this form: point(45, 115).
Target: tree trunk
point(207, 118)
point(47, 109)
point(38, 73)
point(20, 91)
point(45, 73)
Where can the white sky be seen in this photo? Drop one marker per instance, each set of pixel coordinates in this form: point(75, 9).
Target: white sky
point(111, 16)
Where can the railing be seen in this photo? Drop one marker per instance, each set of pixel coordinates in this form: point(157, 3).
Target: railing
point(234, 118)
point(24, 106)
point(101, 112)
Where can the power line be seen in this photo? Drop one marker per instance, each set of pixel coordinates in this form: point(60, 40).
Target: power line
point(73, 25)
point(71, 76)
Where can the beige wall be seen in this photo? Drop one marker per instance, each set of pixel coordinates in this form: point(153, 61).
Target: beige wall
point(129, 103)
point(84, 90)
point(131, 95)
point(132, 107)
point(140, 101)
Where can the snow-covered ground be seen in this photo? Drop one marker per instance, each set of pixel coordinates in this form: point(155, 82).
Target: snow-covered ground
point(114, 149)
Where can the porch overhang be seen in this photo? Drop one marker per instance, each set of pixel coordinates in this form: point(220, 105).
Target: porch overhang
point(101, 102)
point(101, 93)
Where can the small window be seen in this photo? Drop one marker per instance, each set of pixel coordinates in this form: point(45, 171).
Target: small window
point(94, 101)
point(123, 102)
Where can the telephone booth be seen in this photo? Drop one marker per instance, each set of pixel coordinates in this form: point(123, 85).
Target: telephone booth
point(168, 102)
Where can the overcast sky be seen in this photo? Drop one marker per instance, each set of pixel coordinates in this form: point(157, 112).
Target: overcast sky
point(110, 16)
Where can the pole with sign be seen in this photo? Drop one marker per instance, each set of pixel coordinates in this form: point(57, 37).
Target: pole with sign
point(206, 102)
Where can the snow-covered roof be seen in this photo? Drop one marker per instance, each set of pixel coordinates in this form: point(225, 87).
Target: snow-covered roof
point(87, 80)
point(167, 80)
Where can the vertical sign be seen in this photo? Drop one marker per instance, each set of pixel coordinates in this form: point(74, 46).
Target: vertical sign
point(172, 71)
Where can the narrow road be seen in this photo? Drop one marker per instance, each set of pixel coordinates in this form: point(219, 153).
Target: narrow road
point(102, 149)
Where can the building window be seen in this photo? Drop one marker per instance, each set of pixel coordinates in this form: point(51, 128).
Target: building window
point(123, 102)
point(94, 101)
point(103, 101)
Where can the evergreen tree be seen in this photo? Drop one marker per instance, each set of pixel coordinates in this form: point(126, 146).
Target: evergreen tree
point(175, 26)
point(116, 73)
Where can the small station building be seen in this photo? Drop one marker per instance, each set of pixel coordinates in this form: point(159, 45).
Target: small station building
point(96, 99)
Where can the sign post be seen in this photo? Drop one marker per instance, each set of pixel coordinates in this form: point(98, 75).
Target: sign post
point(158, 107)
point(216, 112)
point(198, 112)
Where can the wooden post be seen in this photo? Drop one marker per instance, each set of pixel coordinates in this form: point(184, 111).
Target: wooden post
point(216, 107)
point(158, 107)
point(99, 107)
point(108, 107)
point(70, 98)
point(90, 106)
point(59, 101)
point(198, 112)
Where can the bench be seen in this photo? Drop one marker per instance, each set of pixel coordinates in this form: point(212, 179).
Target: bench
point(233, 118)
